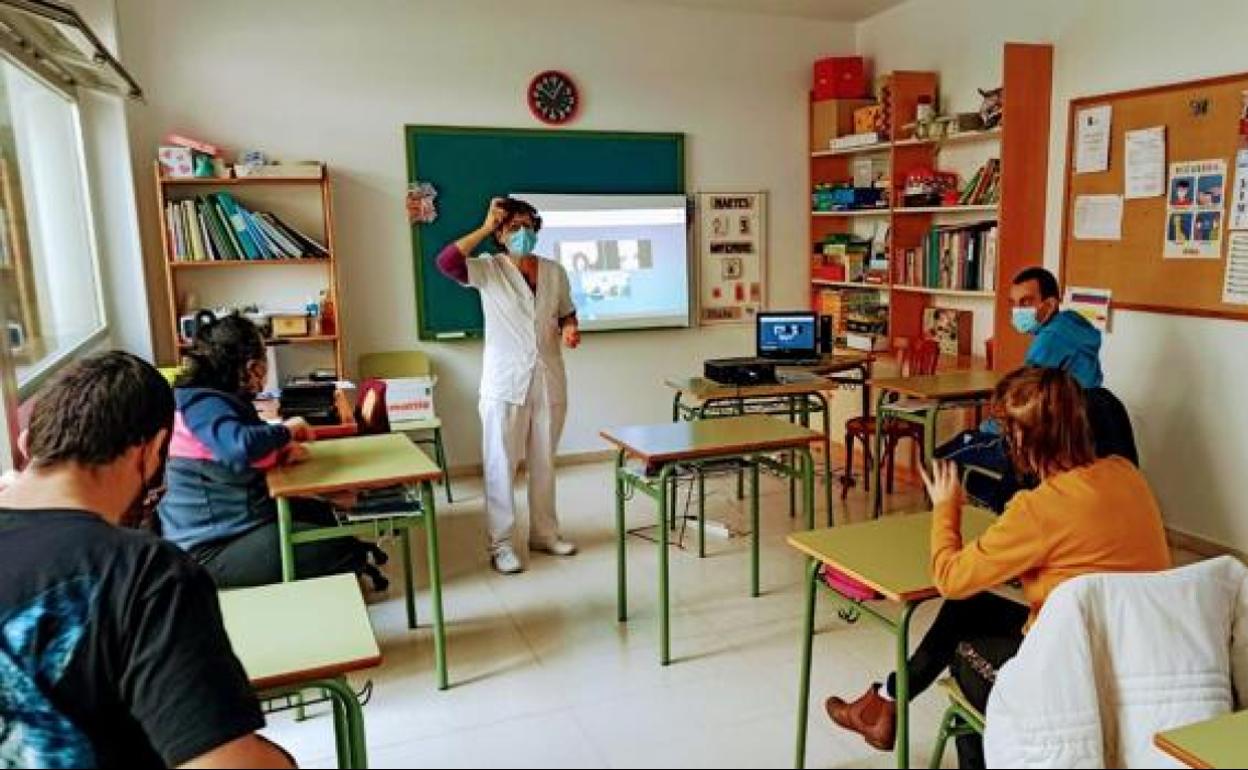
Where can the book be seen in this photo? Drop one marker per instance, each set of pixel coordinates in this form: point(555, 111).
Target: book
point(310, 246)
point(236, 246)
point(230, 206)
point(950, 328)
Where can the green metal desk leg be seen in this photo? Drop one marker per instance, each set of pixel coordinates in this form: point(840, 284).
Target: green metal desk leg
point(701, 512)
point(827, 454)
point(284, 533)
point(409, 590)
point(665, 643)
point(621, 583)
point(929, 436)
point(435, 582)
point(344, 698)
point(754, 526)
point(342, 736)
point(792, 458)
point(808, 484)
point(903, 685)
point(740, 470)
point(878, 508)
point(808, 640)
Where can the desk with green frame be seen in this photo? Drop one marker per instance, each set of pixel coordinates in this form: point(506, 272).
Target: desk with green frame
point(293, 638)
point(1218, 742)
point(892, 556)
point(665, 448)
point(935, 392)
point(362, 463)
point(798, 398)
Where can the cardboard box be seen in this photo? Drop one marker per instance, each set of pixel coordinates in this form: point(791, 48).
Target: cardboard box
point(176, 162)
point(841, 77)
point(409, 399)
point(832, 118)
point(950, 328)
point(289, 325)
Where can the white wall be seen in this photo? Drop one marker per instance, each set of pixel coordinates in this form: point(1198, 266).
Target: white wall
point(337, 81)
point(1181, 378)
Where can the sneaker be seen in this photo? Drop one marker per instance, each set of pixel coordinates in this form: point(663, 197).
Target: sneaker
point(871, 716)
point(505, 560)
point(556, 547)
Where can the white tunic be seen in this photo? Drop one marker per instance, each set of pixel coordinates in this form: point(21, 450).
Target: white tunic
point(521, 328)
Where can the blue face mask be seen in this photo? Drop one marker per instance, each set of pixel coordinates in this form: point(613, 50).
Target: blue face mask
point(1024, 320)
point(522, 241)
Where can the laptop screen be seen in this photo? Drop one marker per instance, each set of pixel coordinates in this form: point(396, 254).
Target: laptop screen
point(787, 335)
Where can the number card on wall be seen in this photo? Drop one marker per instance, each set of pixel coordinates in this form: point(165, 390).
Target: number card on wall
point(732, 265)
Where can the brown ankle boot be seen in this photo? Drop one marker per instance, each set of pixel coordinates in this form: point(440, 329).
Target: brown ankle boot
point(871, 716)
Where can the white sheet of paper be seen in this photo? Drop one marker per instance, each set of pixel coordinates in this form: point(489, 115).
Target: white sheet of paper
point(1092, 304)
point(1235, 288)
point(1092, 137)
point(1098, 218)
point(1145, 167)
point(1239, 193)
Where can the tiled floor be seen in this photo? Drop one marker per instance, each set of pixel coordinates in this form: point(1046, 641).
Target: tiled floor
point(542, 675)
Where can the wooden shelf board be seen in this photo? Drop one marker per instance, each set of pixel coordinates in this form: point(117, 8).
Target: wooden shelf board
point(852, 213)
point(985, 295)
point(322, 261)
point(963, 137)
point(849, 284)
point(945, 209)
point(246, 180)
point(866, 148)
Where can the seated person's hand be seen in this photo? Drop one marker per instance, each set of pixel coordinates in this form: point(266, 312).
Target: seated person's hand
point(572, 336)
point(300, 429)
point(943, 485)
point(294, 453)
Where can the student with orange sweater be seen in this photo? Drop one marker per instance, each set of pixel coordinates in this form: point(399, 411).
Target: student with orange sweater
point(1086, 516)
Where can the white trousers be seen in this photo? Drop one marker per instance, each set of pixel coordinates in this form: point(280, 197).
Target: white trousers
point(510, 432)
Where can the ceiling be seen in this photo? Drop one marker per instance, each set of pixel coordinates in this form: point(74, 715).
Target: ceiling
point(828, 10)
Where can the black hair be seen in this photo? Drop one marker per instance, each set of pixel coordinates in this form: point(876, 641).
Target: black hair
point(1043, 278)
point(514, 207)
point(97, 409)
point(220, 353)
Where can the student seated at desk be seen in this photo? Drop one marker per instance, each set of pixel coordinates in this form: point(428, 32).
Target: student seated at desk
point(1086, 515)
point(1061, 339)
point(113, 653)
point(217, 507)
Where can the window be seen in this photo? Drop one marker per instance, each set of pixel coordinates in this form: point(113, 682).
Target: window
point(50, 301)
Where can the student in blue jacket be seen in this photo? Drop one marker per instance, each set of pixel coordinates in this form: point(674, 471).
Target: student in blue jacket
point(1062, 339)
point(217, 506)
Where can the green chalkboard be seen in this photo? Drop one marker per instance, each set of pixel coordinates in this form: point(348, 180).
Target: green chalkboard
point(468, 166)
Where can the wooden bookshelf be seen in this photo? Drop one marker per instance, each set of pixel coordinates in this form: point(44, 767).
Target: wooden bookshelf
point(180, 274)
point(1019, 212)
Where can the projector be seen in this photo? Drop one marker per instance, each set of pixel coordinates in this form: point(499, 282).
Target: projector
point(740, 371)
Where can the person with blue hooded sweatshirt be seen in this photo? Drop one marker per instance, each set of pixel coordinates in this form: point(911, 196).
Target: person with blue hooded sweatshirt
point(1063, 339)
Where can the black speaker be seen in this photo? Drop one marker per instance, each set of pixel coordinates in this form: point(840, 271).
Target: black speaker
point(826, 338)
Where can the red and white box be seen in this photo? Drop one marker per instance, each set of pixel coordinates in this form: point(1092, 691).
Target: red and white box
point(177, 162)
point(193, 144)
point(841, 77)
point(409, 399)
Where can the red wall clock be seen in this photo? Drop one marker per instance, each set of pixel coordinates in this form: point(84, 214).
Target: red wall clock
point(553, 97)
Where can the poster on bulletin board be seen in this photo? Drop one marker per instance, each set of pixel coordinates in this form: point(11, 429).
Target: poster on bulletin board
point(732, 264)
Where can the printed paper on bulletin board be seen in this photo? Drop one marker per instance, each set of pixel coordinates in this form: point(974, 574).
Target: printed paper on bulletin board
point(732, 265)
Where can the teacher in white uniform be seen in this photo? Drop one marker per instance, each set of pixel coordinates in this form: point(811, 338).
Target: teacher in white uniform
point(528, 311)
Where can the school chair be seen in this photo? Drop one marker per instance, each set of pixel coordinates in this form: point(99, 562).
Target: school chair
point(409, 363)
point(919, 357)
point(170, 373)
point(960, 718)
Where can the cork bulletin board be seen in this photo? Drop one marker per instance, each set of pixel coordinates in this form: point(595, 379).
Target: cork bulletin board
point(1202, 123)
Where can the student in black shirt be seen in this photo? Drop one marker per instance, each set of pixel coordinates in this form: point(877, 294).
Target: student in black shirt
point(112, 648)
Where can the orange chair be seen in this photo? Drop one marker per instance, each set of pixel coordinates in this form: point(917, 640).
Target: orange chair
point(919, 357)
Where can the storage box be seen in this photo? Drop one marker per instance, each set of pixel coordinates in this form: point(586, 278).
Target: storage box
point(840, 77)
point(176, 162)
point(869, 118)
point(409, 399)
point(289, 325)
point(832, 118)
point(950, 328)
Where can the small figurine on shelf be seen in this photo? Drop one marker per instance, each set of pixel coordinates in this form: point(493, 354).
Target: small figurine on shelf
point(990, 109)
point(329, 319)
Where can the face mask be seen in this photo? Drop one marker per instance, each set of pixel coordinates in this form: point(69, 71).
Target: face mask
point(142, 512)
point(522, 241)
point(1024, 320)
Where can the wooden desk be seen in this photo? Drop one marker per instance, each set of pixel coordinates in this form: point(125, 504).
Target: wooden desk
point(708, 398)
point(892, 555)
point(940, 391)
point(367, 462)
point(664, 447)
point(295, 637)
point(1218, 742)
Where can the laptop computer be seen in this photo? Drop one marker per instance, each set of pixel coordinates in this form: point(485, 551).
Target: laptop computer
point(788, 338)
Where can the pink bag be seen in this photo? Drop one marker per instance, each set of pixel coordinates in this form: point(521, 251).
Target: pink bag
point(847, 586)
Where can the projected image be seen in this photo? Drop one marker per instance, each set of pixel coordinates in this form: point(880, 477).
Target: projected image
point(626, 257)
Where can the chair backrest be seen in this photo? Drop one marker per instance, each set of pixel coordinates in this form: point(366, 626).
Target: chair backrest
point(920, 357)
point(1110, 424)
point(371, 417)
point(990, 352)
point(394, 363)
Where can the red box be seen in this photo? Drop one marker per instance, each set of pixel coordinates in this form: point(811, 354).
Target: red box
point(841, 77)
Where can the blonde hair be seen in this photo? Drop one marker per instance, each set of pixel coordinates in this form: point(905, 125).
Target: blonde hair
point(1045, 419)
